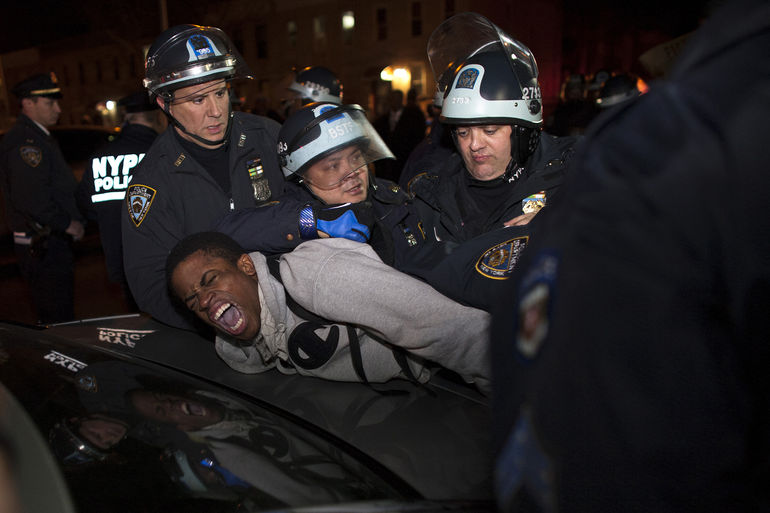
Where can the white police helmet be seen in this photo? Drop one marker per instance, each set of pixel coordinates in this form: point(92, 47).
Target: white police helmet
point(318, 130)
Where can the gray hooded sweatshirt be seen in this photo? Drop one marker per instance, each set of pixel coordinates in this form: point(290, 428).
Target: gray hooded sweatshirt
point(347, 283)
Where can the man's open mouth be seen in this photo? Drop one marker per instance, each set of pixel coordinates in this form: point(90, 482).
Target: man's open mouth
point(193, 409)
point(228, 317)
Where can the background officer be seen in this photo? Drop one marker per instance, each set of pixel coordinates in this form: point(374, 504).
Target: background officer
point(102, 190)
point(39, 192)
point(312, 84)
point(210, 159)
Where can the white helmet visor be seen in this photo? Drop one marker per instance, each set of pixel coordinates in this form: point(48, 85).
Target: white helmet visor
point(336, 143)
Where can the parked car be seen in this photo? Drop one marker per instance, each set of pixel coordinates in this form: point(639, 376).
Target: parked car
point(128, 414)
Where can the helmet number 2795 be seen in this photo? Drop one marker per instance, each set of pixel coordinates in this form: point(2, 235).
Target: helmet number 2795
point(530, 93)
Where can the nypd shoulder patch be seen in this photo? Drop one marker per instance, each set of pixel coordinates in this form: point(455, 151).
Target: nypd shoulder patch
point(31, 155)
point(532, 204)
point(138, 201)
point(498, 262)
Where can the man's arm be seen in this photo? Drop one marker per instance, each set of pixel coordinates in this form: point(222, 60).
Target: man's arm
point(345, 281)
point(282, 225)
point(271, 229)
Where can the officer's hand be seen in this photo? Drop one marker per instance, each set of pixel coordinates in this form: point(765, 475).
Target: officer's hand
point(352, 221)
point(520, 220)
point(76, 229)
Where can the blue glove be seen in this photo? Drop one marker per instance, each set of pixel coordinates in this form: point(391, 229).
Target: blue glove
point(337, 221)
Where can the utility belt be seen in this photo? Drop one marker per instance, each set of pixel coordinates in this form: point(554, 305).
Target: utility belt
point(22, 238)
point(37, 239)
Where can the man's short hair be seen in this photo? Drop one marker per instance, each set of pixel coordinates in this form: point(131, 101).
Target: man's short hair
point(214, 244)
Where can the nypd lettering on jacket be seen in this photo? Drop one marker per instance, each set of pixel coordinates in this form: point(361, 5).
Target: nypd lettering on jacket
point(112, 174)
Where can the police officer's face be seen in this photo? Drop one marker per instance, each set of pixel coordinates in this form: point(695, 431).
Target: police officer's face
point(223, 295)
point(202, 110)
point(486, 150)
point(342, 177)
point(45, 111)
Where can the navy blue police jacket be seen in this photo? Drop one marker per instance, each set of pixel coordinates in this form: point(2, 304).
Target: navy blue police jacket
point(631, 365)
point(38, 183)
point(442, 194)
point(172, 196)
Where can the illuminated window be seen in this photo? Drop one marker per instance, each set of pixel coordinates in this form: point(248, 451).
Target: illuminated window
point(291, 30)
point(382, 24)
point(319, 28)
point(348, 24)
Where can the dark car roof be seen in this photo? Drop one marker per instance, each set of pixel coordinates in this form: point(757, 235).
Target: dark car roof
point(399, 442)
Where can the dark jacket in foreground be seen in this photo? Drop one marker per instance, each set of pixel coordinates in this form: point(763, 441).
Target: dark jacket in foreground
point(632, 370)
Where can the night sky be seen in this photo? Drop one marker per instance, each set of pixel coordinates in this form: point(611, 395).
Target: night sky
point(28, 23)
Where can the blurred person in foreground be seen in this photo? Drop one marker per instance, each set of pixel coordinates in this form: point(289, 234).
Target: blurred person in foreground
point(39, 189)
point(631, 364)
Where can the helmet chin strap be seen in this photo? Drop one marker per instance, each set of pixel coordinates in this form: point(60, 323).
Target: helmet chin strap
point(198, 138)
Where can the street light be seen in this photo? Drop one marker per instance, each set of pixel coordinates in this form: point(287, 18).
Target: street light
point(400, 77)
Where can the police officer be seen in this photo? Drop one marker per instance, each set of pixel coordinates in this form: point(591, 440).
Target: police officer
point(325, 151)
point(506, 168)
point(102, 190)
point(39, 191)
point(210, 160)
point(617, 90)
point(633, 351)
point(313, 84)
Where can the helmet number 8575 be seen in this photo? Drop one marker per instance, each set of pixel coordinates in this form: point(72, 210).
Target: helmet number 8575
point(530, 93)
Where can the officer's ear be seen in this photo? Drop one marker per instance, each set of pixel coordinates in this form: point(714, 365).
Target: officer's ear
point(246, 266)
point(28, 102)
point(160, 102)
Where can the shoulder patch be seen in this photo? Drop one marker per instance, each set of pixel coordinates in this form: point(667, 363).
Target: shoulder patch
point(138, 201)
point(533, 203)
point(31, 155)
point(498, 262)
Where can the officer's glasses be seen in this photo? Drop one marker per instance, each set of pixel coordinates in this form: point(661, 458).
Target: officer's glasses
point(339, 167)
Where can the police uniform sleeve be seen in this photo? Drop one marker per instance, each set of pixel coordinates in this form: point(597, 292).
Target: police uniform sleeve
point(148, 236)
point(270, 229)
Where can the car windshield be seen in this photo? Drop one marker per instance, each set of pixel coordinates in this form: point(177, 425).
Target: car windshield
point(136, 437)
